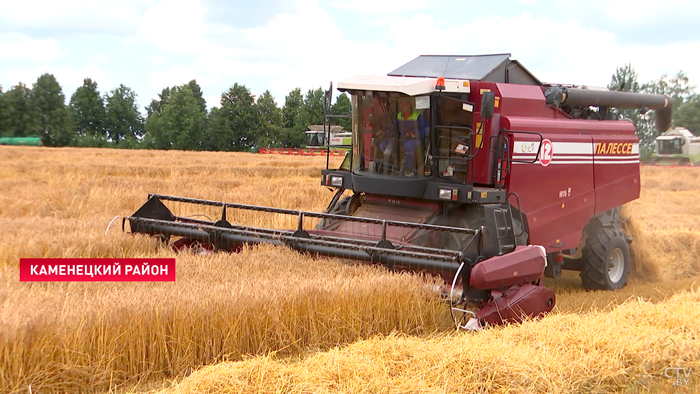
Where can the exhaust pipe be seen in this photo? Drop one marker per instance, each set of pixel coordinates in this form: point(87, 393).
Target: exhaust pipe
point(662, 104)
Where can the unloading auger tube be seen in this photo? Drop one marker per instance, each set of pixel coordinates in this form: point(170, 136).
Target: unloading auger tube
point(504, 288)
point(573, 97)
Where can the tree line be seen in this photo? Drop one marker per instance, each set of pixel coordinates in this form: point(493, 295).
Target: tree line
point(177, 119)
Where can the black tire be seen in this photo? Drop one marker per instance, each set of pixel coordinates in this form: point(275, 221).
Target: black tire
point(605, 250)
point(342, 207)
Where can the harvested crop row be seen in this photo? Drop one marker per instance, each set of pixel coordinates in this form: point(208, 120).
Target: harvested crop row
point(628, 348)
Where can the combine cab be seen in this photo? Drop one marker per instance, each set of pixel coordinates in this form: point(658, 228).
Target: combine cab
point(676, 147)
point(467, 168)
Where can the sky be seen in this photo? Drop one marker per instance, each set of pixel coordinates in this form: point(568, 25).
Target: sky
point(279, 45)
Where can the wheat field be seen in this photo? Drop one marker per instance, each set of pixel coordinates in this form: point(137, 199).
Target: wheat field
point(271, 320)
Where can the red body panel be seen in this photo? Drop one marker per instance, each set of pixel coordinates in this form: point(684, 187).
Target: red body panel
point(517, 303)
point(594, 165)
point(524, 264)
point(511, 100)
point(568, 184)
point(616, 171)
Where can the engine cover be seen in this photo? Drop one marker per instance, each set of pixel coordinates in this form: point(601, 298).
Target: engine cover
point(516, 304)
point(524, 264)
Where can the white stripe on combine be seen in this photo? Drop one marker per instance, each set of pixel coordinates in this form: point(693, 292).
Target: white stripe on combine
point(572, 148)
point(562, 148)
point(573, 157)
point(606, 158)
point(584, 162)
point(619, 162)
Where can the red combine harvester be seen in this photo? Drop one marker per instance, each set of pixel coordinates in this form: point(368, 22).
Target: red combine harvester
point(469, 168)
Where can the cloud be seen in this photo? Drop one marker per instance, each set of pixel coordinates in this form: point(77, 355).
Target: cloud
point(19, 46)
point(43, 16)
point(213, 101)
point(69, 78)
point(641, 23)
point(176, 26)
point(640, 12)
point(179, 74)
point(307, 44)
point(218, 63)
point(301, 49)
point(381, 6)
point(561, 51)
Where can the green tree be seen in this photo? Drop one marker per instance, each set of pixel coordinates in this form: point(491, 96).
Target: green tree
point(183, 119)
point(216, 130)
point(17, 118)
point(292, 135)
point(311, 110)
point(198, 95)
point(292, 107)
point(88, 109)
point(232, 127)
point(270, 131)
point(625, 80)
point(688, 114)
point(156, 136)
point(342, 106)
point(123, 117)
point(156, 105)
point(177, 119)
point(677, 87)
point(52, 120)
point(2, 112)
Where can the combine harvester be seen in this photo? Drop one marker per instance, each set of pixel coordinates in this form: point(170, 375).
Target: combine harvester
point(468, 168)
point(676, 147)
point(339, 142)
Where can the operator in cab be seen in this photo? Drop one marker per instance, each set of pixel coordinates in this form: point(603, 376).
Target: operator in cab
point(411, 129)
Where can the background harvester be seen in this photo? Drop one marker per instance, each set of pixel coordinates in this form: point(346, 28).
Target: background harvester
point(468, 168)
point(321, 140)
point(676, 147)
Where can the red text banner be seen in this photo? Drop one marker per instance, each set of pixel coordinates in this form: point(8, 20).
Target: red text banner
point(97, 270)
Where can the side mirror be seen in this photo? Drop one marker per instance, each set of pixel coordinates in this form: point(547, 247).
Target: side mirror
point(488, 102)
point(329, 95)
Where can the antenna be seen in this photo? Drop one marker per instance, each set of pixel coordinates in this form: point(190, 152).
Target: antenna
point(450, 54)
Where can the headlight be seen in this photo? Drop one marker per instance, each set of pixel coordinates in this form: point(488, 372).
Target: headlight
point(337, 181)
point(448, 194)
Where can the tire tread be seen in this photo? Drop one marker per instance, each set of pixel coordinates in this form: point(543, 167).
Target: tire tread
point(594, 270)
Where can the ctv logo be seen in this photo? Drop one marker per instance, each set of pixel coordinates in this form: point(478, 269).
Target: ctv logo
point(680, 375)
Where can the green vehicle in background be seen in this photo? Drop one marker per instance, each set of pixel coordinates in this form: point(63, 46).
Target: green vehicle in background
point(676, 147)
point(21, 141)
point(334, 138)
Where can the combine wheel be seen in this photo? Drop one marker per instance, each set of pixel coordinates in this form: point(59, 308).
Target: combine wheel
point(346, 206)
point(606, 260)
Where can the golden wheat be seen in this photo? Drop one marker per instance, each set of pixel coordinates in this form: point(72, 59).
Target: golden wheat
point(97, 336)
point(627, 350)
